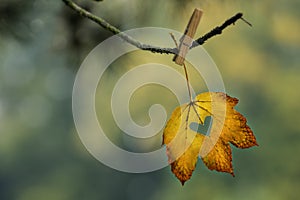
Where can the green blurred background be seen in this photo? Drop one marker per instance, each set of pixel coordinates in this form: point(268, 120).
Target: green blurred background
point(42, 46)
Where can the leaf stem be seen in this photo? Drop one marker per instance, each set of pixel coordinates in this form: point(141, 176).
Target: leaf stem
point(187, 82)
point(185, 70)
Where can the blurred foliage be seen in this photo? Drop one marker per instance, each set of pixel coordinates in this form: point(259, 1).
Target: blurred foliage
point(42, 46)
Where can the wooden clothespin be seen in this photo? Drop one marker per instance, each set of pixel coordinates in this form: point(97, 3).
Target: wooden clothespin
point(187, 39)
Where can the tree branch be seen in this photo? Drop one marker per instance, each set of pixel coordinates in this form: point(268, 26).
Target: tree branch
point(147, 47)
point(218, 30)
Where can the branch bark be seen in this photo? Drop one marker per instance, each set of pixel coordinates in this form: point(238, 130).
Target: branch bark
point(147, 47)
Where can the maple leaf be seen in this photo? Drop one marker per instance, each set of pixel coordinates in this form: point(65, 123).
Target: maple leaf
point(184, 144)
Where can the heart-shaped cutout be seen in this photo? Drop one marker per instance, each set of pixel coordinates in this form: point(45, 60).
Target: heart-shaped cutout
point(203, 129)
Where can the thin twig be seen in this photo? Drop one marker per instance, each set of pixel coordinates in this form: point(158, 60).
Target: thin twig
point(246, 21)
point(174, 40)
point(216, 31)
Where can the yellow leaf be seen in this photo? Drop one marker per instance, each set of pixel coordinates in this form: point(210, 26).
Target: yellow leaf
point(219, 158)
point(184, 144)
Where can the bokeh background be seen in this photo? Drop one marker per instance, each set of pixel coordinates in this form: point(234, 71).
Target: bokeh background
point(42, 46)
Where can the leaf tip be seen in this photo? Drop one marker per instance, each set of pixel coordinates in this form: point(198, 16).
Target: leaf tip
point(232, 174)
point(182, 182)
